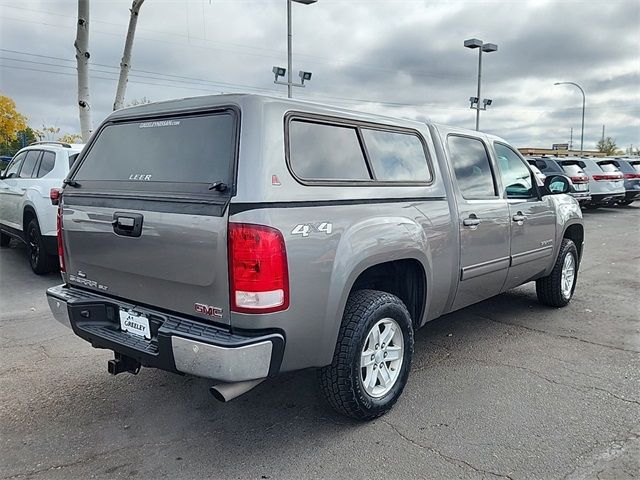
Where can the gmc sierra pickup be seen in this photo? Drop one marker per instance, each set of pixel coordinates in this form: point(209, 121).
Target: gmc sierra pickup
point(235, 237)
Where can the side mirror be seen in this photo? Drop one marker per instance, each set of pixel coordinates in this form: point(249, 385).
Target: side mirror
point(555, 184)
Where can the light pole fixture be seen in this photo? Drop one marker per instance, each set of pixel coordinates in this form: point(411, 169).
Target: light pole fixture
point(583, 107)
point(281, 72)
point(486, 48)
point(289, 70)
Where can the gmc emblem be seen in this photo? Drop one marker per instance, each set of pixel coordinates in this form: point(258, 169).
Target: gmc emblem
point(208, 310)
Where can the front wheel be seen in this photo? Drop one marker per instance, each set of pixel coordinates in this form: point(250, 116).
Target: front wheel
point(556, 289)
point(372, 358)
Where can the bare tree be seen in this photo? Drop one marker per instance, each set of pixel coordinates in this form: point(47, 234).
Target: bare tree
point(125, 64)
point(82, 57)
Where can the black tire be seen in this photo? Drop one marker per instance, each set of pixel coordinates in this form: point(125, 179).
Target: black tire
point(41, 262)
point(549, 288)
point(4, 240)
point(341, 381)
point(625, 202)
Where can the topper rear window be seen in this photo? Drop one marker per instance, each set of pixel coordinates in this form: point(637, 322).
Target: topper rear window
point(190, 149)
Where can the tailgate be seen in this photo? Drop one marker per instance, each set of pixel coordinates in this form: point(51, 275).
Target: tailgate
point(147, 220)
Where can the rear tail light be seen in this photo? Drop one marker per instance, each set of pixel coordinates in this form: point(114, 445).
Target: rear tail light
point(607, 177)
point(631, 176)
point(54, 195)
point(60, 241)
point(580, 179)
point(258, 271)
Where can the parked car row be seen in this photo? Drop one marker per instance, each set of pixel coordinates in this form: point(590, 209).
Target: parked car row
point(596, 182)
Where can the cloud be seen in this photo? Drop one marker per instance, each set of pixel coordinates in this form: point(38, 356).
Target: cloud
point(403, 58)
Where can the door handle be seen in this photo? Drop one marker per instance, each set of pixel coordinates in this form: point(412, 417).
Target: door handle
point(472, 221)
point(519, 217)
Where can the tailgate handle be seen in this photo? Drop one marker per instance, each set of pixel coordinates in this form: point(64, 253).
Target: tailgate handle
point(127, 224)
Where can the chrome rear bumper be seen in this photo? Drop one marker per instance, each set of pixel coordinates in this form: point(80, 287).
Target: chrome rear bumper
point(177, 344)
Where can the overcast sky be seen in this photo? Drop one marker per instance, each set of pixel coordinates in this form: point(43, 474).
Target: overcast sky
point(400, 57)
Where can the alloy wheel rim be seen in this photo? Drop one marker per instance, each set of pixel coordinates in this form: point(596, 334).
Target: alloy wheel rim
point(381, 357)
point(568, 275)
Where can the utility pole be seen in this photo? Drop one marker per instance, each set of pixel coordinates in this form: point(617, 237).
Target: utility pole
point(125, 63)
point(82, 59)
point(602, 133)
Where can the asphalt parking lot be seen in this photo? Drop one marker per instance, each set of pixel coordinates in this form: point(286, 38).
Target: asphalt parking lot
point(506, 388)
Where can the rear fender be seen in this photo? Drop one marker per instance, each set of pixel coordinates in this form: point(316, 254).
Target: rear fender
point(363, 245)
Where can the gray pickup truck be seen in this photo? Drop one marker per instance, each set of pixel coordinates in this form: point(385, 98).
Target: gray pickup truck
point(235, 237)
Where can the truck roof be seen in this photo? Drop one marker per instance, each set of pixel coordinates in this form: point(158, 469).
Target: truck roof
point(247, 100)
point(257, 101)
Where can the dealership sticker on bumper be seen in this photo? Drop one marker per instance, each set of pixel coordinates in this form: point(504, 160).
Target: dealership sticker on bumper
point(135, 323)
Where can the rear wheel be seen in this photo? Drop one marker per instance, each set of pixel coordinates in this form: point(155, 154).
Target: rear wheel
point(4, 240)
point(41, 262)
point(625, 202)
point(556, 289)
point(372, 358)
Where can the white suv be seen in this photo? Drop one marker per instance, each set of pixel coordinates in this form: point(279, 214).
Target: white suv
point(26, 212)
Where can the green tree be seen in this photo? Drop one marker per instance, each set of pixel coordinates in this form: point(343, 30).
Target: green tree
point(23, 138)
point(607, 146)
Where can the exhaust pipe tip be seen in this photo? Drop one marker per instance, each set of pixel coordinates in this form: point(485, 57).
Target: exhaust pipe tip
point(225, 392)
point(217, 394)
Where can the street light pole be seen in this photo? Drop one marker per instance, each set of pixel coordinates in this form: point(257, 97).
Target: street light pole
point(482, 48)
point(289, 54)
point(479, 87)
point(584, 101)
point(279, 71)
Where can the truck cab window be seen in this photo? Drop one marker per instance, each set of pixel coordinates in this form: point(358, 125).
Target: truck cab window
point(516, 177)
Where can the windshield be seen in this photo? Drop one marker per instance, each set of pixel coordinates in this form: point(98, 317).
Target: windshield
point(609, 167)
point(197, 149)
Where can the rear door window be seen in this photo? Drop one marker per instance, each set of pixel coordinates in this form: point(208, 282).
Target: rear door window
point(319, 151)
point(179, 150)
point(47, 163)
point(396, 156)
point(30, 164)
point(472, 168)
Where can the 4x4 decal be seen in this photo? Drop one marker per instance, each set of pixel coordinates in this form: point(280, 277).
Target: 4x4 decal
point(305, 229)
